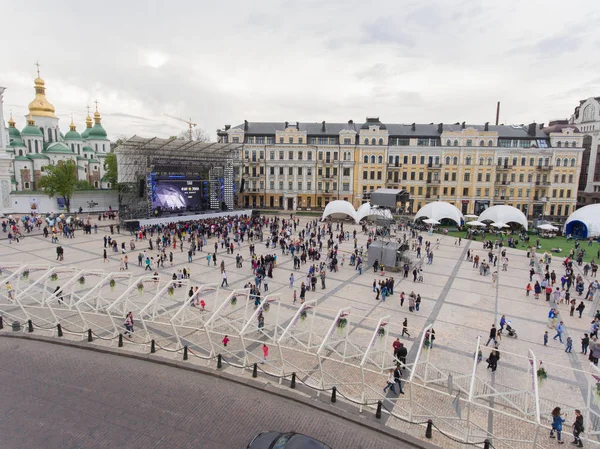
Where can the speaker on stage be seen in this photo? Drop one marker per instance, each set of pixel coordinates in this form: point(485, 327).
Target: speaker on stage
point(142, 188)
point(242, 185)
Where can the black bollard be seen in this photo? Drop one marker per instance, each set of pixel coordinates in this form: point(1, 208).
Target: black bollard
point(1, 322)
point(120, 340)
point(152, 347)
point(59, 329)
point(185, 354)
point(293, 382)
point(255, 370)
point(429, 431)
point(89, 335)
point(29, 326)
point(486, 444)
point(219, 361)
point(378, 412)
point(333, 394)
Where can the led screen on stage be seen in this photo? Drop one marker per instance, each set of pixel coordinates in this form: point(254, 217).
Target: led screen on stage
point(178, 193)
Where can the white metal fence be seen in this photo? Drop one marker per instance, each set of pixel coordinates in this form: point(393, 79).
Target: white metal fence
point(349, 352)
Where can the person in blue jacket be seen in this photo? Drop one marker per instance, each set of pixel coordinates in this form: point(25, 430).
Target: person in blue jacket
point(557, 422)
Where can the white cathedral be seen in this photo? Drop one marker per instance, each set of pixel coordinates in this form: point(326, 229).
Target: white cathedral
point(41, 143)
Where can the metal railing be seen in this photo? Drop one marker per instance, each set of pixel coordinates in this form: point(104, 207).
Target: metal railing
point(326, 350)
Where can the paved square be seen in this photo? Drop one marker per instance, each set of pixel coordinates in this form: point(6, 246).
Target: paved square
point(459, 303)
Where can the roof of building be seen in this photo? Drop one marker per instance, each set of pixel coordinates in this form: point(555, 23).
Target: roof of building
point(81, 158)
point(37, 156)
point(87, 149)
point(72, 135)
point(22, 158)
point(97, 132)
point(57, 147)
point(31, 130)
point(14, 132)
point(17, 143)
point(394, 129)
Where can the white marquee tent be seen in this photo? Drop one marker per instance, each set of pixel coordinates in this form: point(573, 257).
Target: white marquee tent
point(369, 212)
point(504, 214)
point(584, 222)
point(439, 210)
point(338, 210)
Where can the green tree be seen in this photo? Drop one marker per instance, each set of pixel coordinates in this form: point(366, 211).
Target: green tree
point(83, 185)
point(60, 180)
point(110, 163)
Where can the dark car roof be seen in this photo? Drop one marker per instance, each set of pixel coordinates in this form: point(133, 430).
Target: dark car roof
point(266, 440)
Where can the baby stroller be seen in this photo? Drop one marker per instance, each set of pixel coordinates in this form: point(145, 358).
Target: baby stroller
point(511, 331)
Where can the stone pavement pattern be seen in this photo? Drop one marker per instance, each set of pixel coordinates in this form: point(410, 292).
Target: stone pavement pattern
point(459, 302)
point(60, 397)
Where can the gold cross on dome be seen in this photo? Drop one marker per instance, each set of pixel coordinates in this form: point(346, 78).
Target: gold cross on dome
point(96, 101)
point(88, 108)
point(38, 68)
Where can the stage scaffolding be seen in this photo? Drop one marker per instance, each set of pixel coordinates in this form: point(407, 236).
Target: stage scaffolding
point(141, 160)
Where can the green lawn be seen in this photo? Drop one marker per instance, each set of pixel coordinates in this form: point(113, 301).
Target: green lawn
point(548, 243)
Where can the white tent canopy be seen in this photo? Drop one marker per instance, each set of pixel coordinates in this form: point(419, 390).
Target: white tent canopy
point(584, 222)
point(504, 214)
point(476, 223)
point(547, 227)
point(438, 210)
point(338, 210)
point(369, 212)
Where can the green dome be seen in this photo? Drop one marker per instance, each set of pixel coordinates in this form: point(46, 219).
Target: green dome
point(17, 143)
point(31, 130)
point(97, 132)
point(72, 135)
point(87, 149)
point(14, 133)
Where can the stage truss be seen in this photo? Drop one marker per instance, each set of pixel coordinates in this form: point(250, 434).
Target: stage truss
point(140, 160)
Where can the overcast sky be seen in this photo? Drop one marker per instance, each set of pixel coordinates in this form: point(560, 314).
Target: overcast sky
point(304, 60)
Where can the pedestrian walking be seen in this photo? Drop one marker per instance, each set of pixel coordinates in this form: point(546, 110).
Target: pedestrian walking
point(557, 422)
point(398, 378)
point(105, 256)
point(265, 350)
point(391, 382)
point(585, 343)
point(546, 338)
point(225, 340)
point(569, 344)
point(559, 332)
point(493, 332)
point(580, 308)
point(128, 324)
point(405, 328)
point(224, 283)
point(578, 429)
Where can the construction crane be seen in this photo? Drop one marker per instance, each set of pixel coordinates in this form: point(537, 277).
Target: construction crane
point(191, 124)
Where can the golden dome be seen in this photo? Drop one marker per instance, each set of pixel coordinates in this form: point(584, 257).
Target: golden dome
point(72, 126)
point(40, 106)
point(11, 121)
point(97, 118)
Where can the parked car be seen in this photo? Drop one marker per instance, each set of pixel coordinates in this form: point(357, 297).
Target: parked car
point(285, 440)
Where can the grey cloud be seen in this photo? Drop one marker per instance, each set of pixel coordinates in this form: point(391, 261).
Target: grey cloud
point(384, 31)
point(308, 60)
